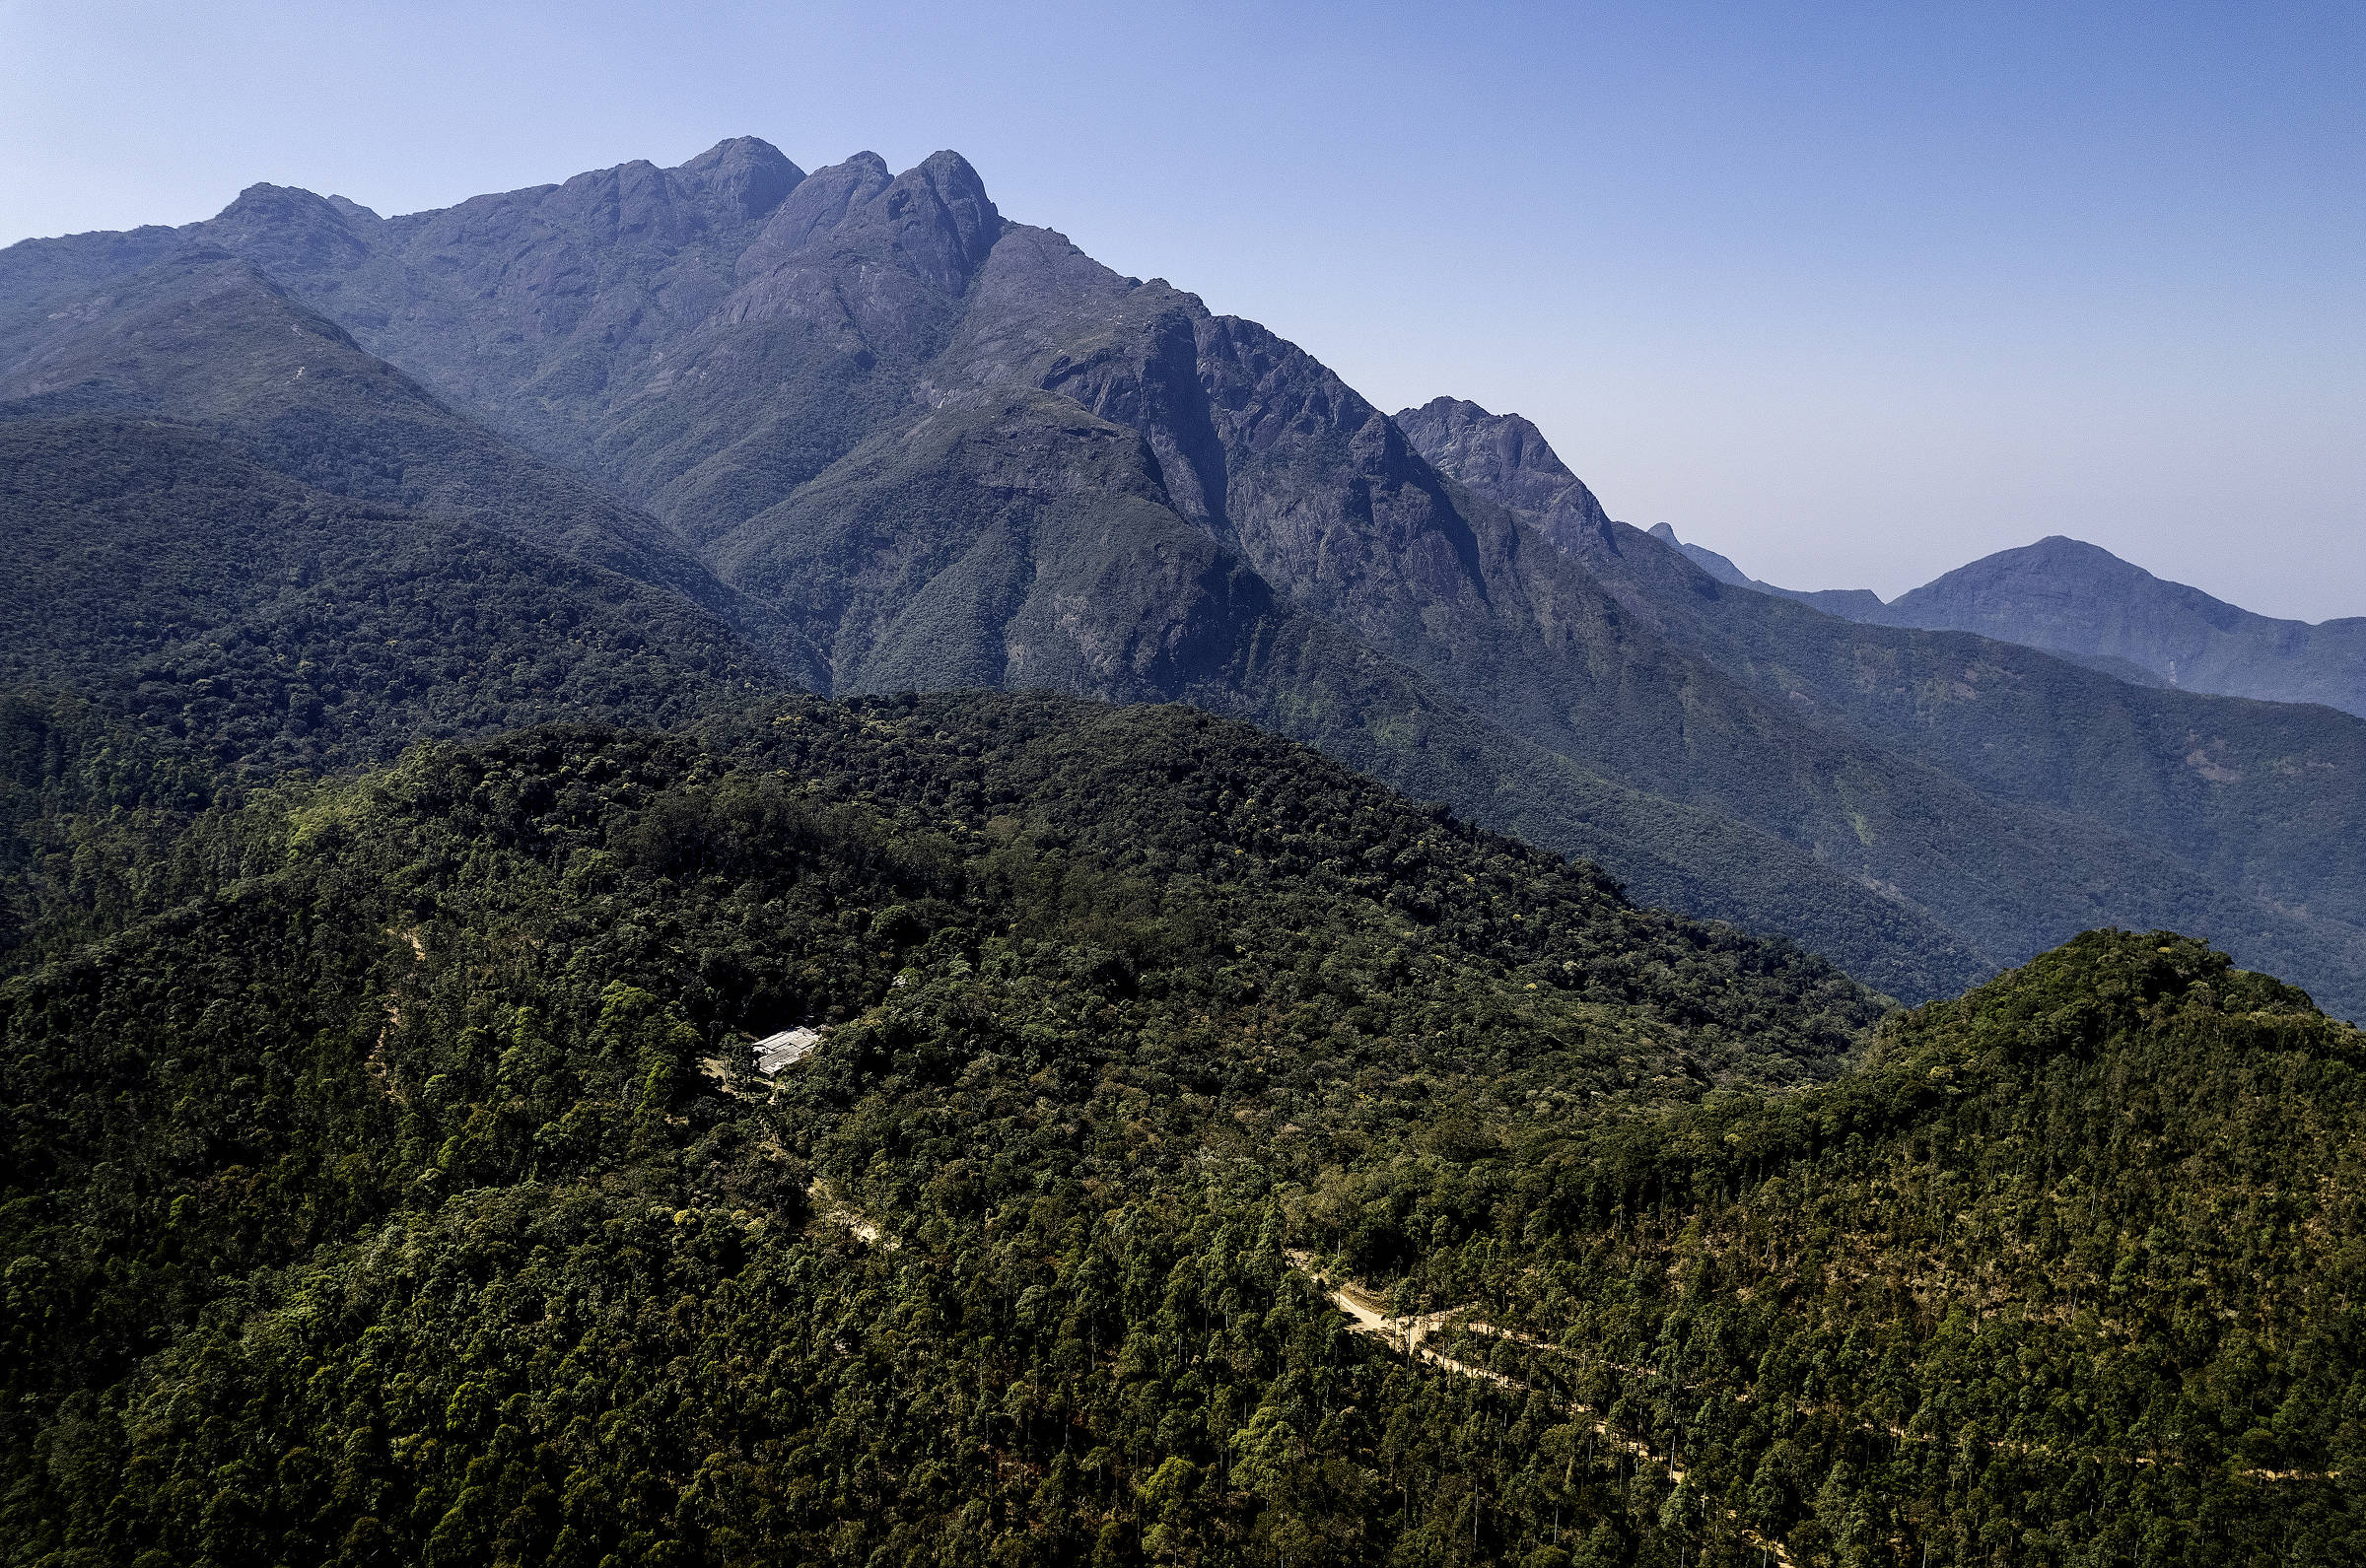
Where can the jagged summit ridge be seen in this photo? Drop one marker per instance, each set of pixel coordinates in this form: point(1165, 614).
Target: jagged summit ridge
point(933, 224)
point(818, 205)
point(1504, 456)
point(744, 172)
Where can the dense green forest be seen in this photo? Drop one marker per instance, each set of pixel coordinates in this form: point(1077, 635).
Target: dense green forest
point(388, 1178)
point(263, 624)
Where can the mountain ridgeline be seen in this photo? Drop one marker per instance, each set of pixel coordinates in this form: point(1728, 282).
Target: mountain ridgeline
point(862, 434)
point(2196, 797)
point(2083, 602)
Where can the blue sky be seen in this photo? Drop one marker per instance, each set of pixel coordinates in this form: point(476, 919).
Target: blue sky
point(1854, 293)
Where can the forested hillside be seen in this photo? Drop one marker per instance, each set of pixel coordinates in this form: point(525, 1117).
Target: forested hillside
point(2066, 1273)
point(388, 1178)
point(249, 619)
point(365, 1031)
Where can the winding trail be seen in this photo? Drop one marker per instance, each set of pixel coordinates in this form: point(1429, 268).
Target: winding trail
point(1370, 1314)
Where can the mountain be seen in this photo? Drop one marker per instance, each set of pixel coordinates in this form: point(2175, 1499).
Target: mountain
point(893, 440)
point(1856, 604)
point(2061, 594)
point(416, 850)
point(979, 578)
point(2086, 604)
point(392, 1181)
point(2187, 807)
point(203, 338)
point(1716, 566)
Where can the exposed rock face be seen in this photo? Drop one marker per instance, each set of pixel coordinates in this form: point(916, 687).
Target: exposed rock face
point(1505, 457)
point(906, 441)
point(744, 173)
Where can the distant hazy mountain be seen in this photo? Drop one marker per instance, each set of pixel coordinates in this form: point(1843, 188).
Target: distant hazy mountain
point(2082, 601)
point(880, 436)
point(2060, 594)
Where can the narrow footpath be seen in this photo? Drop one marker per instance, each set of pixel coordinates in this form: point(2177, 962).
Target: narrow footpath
point(1369, 1312)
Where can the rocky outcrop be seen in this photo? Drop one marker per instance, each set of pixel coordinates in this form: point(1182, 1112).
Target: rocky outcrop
point(1507, 459)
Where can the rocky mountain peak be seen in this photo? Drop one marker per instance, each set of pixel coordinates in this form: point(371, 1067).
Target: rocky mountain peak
point(941, 205)
point(745, 173)
point(1515, 444)
point(1505, 459)
point(280, 228)
point(912, 240)
point(816, 207)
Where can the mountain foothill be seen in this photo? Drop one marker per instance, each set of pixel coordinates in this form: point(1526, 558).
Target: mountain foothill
point(1236, 854)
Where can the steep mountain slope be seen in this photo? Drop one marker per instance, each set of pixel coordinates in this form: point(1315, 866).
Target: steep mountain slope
point(943, 447)
point(267, 623)
point(2230, 816)
point(204, 338)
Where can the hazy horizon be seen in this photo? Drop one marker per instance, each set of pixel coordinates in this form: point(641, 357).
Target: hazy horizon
point(1851, 296)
